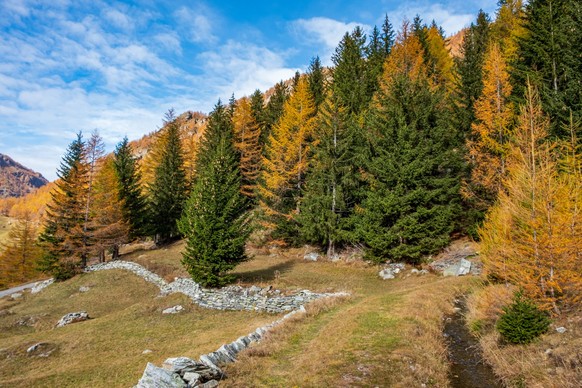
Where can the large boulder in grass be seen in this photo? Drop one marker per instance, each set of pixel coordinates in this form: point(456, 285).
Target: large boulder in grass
point(73, 318)
point(155, 377)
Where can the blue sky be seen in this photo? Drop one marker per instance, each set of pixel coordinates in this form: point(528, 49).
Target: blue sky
point(69, 66)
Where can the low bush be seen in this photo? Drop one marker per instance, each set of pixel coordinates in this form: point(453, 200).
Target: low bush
point(522, 321)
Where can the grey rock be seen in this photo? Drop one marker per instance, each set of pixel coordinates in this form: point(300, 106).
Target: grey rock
point(16, 295)
point(191, 377)
point(73, 318)
point(464, 267)
point(34, 347)
point(312, 256)
point(209, 384)
point(147, 351)
point(84, 289)
point(561, 329)
point(173, 310)
point(386, 274)
point(208, 360)
point(155, 377)
point(177, 364)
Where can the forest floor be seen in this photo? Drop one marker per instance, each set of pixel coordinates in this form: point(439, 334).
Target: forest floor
point(387, 333)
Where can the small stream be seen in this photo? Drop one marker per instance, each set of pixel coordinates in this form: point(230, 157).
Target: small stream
point(468, 370)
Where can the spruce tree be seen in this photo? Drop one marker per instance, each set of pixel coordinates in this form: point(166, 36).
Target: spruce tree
point(133, 204)
point(548, 55)
point(328, 203)
point(413, 196)
point(350, 81)
point(168, 191)
point(215, 221)
point(64, 242)
point(274, 110)
point(470, 70)
point(316, 82)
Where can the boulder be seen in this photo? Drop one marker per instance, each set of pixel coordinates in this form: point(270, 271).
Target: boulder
point(173, 310)
point(312, 256)
point(461, 268)
point(154, 377)
point(16, 295)
point(84, 289)
point(561, 329)
point(73, 318)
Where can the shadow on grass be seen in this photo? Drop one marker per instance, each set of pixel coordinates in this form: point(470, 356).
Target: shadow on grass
point(265, 274)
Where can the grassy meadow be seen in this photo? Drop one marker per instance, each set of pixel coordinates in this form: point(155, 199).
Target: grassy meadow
point(386, 333)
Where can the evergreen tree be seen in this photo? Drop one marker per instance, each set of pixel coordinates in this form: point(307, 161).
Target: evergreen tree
point(470, 70)
point(377, 50)
point(274, 110)
point(328, 204)
point(316, 82)
point(63, 239)
point(350, 81)
point(549, 56)
point(133, 204)
point(168, 191)
point(413, 199)
point(215, 221)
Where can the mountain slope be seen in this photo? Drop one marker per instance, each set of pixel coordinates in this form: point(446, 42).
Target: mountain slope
point(17, 180)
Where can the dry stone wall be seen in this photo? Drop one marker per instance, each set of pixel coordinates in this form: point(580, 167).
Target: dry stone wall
point(227, 298)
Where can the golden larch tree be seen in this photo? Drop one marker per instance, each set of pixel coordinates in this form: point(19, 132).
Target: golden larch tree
point(19, 255)
point(247, 141)
point(488, 143)
point(532, 237)
point(441, 63)
point(406, 58)
point(285, 160)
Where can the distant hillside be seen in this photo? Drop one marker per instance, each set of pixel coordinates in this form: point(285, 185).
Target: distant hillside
point(17, 180)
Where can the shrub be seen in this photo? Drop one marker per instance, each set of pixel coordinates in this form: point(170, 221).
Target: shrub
point(522, 321)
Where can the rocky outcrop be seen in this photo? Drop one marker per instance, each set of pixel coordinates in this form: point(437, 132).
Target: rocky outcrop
point(17, 180)
point(72, 318)
point(390, 270)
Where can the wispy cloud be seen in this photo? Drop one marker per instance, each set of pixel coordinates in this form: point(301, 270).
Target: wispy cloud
point(197, 23)
point(240, 68)
point(326, 31)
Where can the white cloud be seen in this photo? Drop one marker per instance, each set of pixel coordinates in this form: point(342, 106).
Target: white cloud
point(326, 31)
point(448, 18)
point(240, 68)
point(197, 23)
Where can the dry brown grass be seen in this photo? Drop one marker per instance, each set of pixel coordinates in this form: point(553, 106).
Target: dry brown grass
point(107, 350)
point(388, 333)
point(554, 360)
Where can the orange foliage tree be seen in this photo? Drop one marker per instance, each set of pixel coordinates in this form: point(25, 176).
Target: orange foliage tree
point(247, 141)
point(532, 237)
point(19, 255)
point(285, 162)
point(489, 141)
